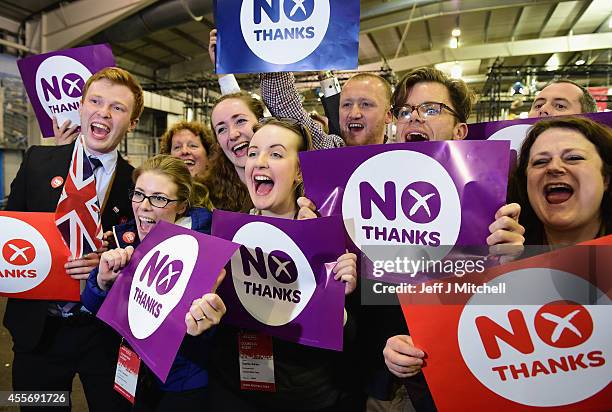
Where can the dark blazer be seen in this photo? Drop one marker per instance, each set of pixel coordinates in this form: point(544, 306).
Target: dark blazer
point(31, 191)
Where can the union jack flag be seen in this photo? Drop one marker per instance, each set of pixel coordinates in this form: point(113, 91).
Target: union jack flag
point(78, 211)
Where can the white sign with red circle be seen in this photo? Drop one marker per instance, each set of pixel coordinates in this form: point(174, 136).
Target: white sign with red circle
point(26, 258)
point(535, 355)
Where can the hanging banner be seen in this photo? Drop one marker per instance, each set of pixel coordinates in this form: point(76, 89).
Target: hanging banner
point(171, 268)
point(516, 130)
point(424, 196)
point(55, 81)
point(286, 35)
point(280, 281)
point(544, 343)
point(33, 258)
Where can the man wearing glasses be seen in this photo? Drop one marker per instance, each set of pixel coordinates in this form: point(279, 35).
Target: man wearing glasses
point(428, 105)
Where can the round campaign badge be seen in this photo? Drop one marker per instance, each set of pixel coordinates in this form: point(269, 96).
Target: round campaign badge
point(129, 237)
point(57, 181)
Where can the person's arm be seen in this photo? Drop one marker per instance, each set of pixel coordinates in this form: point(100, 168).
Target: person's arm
point(330, 86)
point(92, 296)
point(282, 98)
point(227, 82)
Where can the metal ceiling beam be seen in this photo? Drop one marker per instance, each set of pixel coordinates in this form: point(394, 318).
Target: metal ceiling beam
point(72, 23)
point(169, 49)
point(207, 23)
point(9, 24)
point(593, 58)
point(579, 15)
point(377, 18)
point(390, 6)
point(135, 68)
point(428, 31)
point(190, 38)
point(516, 23)
point(504, 49)
point(487, 23)
point(380, 53)
point(551, 11)
point(128, 53)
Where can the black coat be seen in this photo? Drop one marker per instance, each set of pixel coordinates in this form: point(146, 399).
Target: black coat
point(31, 191)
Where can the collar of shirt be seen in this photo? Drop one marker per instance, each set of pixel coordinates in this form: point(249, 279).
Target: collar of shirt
point(109, 160)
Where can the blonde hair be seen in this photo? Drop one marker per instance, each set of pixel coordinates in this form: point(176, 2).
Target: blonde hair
point(189, 190)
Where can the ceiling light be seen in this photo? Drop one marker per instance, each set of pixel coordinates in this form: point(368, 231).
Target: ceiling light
point(454, 42)
point(456, 32)
point(580, 62)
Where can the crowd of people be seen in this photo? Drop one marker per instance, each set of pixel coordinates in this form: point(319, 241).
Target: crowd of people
point(559, 195)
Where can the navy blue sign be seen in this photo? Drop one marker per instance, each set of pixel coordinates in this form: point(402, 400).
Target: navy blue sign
point(286, 35)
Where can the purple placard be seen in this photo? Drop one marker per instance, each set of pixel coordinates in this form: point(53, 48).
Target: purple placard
point(278, 283)
point(54, 81)
point(433, 195)
point(148, 302)
point(516, 130)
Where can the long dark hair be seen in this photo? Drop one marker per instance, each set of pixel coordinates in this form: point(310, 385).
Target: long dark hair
point(227, 191)
point(598, 134)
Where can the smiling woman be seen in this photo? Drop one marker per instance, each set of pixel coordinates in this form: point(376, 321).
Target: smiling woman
point(562, 181)
point(232, 120)
point(191, 142)
point(164, 191)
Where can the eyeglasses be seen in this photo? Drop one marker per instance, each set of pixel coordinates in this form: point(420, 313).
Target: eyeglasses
point(425, 110)
point(155, 200)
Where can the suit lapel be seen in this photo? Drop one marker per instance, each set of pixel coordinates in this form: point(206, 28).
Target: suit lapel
point(118, 208)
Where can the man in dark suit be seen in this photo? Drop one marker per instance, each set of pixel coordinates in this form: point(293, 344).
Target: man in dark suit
point(52, 344)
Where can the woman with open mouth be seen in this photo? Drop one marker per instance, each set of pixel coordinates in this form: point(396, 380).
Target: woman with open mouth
point(562, 182)
point(164, 190)
point(232, 119)
point(306, 378)
point(191, 142)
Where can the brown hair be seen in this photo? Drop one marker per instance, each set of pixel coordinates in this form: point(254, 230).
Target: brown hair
point(192, 192)
point(461, 95)
point(196, 128)
point(123, 78)
point(227, 190)
point(587, 101)
point(598, 134)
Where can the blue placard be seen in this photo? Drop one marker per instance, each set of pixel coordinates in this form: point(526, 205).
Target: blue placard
point(286, 35)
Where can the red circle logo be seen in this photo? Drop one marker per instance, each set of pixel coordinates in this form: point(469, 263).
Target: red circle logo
point(128, 237)
point(18, 252)
point(563, 324)
point(57, 181)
